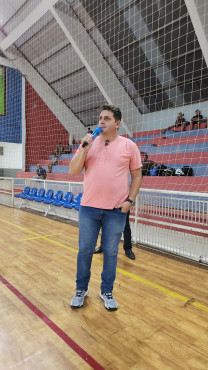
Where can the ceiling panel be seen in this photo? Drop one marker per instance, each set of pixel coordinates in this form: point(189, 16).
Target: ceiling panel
point(15, 12)
point(36, 28)
point(90, 117)
point(44, 44)
point(84, 102)
point(74, 84)
point(61, 64)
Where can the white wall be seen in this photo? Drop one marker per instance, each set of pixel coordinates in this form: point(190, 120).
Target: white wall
point(12, 156)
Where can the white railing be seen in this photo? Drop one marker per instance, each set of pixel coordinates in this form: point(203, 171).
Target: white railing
point(175, 222)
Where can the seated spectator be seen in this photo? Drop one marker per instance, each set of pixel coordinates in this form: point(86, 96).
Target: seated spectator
point(89, 131)
point(50, 167)
point(41, 173)
point(54, 162)
point(180, 121)
point(198, 118)
point(147, 165)
point(59, 149)
point(67, 150)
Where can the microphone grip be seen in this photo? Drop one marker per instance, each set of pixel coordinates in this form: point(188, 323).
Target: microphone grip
point(95, 133)
point(84, 144)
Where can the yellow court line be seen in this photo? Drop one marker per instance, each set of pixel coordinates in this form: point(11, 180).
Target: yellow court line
point(61, 245)
point(124, 272)
point(18, 227)
point(43, 236)
point(38, 235)
point(162, 289)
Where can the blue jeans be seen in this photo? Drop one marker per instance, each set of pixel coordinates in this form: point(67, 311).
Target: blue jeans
point(90, 221)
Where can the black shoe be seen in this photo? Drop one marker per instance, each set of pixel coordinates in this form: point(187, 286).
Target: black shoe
point(98, 250)
point(130, 254)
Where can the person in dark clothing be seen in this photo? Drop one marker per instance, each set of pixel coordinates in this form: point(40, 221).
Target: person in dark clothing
point(147, 165)
point(41, 173)
point(127, 245)
point(180, 121)
point(67, 149)
point(198, 118)
point(89, 131)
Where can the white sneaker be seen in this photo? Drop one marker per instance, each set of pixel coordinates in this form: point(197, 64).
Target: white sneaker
point(78, 299)
point(109, 300)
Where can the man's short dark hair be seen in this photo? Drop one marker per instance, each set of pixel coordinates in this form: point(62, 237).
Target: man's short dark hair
point(116, 111)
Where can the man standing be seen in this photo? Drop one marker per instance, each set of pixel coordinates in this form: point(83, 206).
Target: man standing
point(106, 199)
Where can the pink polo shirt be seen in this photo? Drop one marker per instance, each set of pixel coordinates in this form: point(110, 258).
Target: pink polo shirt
point(106, 179)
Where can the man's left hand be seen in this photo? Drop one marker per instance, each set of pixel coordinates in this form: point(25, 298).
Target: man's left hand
point(125, 207)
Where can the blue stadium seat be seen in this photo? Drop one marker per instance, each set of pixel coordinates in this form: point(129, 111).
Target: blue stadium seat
point(48, 195)
point(57, 197)
point(65, 200)
point(24, 197)
point(77, 206)
point(24, 191)
point(32, 191)
point(39, 194)
point(75, 202)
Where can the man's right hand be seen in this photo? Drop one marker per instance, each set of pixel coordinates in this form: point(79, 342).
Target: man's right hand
point(87, 139)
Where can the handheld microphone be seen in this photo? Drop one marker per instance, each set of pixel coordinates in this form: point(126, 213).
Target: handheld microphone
point(95, 133)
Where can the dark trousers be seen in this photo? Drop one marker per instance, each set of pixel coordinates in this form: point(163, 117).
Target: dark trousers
point(127, 234)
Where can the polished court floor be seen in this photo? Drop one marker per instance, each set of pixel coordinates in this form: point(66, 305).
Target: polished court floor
point(161, 322)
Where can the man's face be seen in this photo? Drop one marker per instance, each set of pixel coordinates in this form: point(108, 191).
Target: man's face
point(107, 122)
point(145, 158)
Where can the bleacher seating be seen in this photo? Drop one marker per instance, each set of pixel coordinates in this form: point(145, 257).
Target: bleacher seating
point(173, 149)
point(176, 150)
